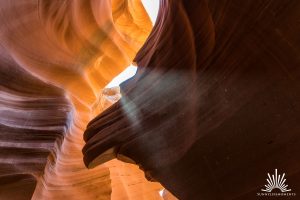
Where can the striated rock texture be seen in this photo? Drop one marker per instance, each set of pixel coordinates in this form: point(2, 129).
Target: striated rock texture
point(56, 57)
point(213, 108)
point(215, 104)
point(33, 122)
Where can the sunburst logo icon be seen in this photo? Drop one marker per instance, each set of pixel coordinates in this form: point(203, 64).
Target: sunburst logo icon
point(276, 181)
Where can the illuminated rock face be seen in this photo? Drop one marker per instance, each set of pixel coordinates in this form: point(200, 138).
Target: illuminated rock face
point(213, 107)
point(215, 104)
point(56, 57)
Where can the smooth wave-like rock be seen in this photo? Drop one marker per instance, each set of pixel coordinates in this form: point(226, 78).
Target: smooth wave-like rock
point(34, 117)
point(215, 104)
point(56, 58)
point(213, 108)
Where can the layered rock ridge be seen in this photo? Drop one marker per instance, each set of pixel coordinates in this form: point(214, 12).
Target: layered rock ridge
point(215, 103)
point(56, 58)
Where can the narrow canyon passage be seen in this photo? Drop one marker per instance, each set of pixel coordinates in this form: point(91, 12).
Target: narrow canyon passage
point(212, 111)
point(77, 46)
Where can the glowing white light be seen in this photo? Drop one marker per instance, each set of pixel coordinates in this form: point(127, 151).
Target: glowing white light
point(161, 192)
point(123, 76)
point(151, 7)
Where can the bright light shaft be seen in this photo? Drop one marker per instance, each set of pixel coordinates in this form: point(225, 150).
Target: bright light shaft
point(123, 76)
point(151, 7)
point(161, 192)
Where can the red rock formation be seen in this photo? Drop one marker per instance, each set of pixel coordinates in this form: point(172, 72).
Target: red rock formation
point(214, 106)
point(34, 117)
point(56, 57)
point(215, 137)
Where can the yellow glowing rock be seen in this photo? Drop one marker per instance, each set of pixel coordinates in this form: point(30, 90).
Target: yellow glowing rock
point(79, 46)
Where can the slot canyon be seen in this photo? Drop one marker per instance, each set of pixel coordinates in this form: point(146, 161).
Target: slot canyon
point(213, 108)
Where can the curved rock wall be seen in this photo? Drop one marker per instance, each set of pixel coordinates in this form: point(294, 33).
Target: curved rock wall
point(215, 104)
point(213, 107)
point(56, 57)
point(34, 119)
